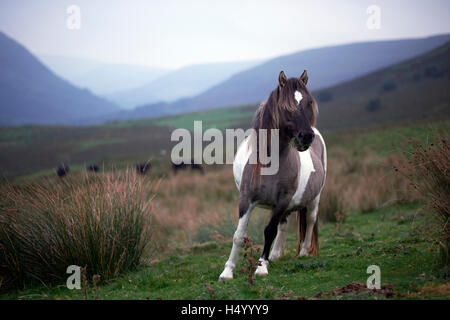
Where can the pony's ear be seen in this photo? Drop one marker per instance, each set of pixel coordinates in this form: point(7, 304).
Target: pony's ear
point(304, 77)
point(282, 79)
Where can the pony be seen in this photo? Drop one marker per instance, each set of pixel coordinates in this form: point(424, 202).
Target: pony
point(300, 179)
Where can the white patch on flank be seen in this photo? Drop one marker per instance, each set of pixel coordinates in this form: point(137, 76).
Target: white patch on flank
point(317, 133)
point(240, 160)
point(298, 96)
point(306, 168)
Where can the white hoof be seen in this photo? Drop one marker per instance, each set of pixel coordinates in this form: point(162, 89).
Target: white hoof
point(303, 253)
point(262, 270)
point(274, 255)
point(227, 274)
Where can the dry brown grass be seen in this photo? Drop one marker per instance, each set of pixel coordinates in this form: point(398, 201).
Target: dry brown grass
point(188, 200)
point(362, 184)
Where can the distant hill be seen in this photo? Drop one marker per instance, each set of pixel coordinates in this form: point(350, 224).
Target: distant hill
point(99, 77)
point(326, 67)
point(69, 67)
point(184, 82)
point(31, 93)
point(416, 89)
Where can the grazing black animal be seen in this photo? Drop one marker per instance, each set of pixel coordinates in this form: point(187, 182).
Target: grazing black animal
point(178, 166)
point(93, 168)
point(62, 170)
point(143, 168)
point(181, 165)
point(199, 167)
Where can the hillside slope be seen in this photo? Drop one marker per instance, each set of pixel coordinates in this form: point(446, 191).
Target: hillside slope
point(326, 66)
point(31, 93)
point(416, 89)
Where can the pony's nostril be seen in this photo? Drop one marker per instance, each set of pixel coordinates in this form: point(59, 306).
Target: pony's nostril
point(306, 138)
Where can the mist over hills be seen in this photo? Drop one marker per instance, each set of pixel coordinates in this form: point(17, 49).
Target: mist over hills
point(100, 77)
point(31, 93)
point(180, 83)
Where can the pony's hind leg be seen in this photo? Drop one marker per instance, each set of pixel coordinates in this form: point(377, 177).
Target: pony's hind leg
point(280, 240)
point(244, 215)
point(311, 241)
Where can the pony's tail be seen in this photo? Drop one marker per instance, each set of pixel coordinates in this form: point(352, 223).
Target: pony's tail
point(301, 234)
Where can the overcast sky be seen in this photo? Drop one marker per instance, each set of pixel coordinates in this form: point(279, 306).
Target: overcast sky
point(175, 33)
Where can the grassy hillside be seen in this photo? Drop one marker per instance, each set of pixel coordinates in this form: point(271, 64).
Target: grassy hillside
point(39, 149)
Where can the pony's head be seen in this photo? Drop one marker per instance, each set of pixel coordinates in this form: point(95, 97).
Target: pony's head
point(298, 110)
point(292, 109)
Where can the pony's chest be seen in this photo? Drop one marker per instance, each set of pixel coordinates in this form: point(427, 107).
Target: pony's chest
point(310, 181)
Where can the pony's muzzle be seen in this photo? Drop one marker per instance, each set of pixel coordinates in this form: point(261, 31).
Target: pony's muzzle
point(305, 139)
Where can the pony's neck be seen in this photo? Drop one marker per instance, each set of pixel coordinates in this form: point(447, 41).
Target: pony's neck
point(284, 143)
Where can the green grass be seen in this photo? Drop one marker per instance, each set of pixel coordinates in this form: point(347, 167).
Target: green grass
point(89, 144)
point(219, 118)
point(396, 139)
point(387, 238)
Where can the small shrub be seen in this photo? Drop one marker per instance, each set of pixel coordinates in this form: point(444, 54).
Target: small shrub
point(373, 105)
point(100, 223)
point(389, 86)
point(433, 72)
point(429, 171)
point(251, 260)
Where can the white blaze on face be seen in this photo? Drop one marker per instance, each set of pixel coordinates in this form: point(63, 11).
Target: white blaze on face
point(298, 96)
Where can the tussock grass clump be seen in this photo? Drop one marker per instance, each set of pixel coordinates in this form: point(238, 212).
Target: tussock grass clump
point(98, 222)
point(429, 171)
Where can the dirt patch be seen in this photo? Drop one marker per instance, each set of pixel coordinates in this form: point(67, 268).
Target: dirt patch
point(433, 290)
point(359, 288)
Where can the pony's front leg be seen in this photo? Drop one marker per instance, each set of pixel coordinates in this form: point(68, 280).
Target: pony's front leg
point(280, 240)
point(311, 221)
point(270, 233)
point(238, 239)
